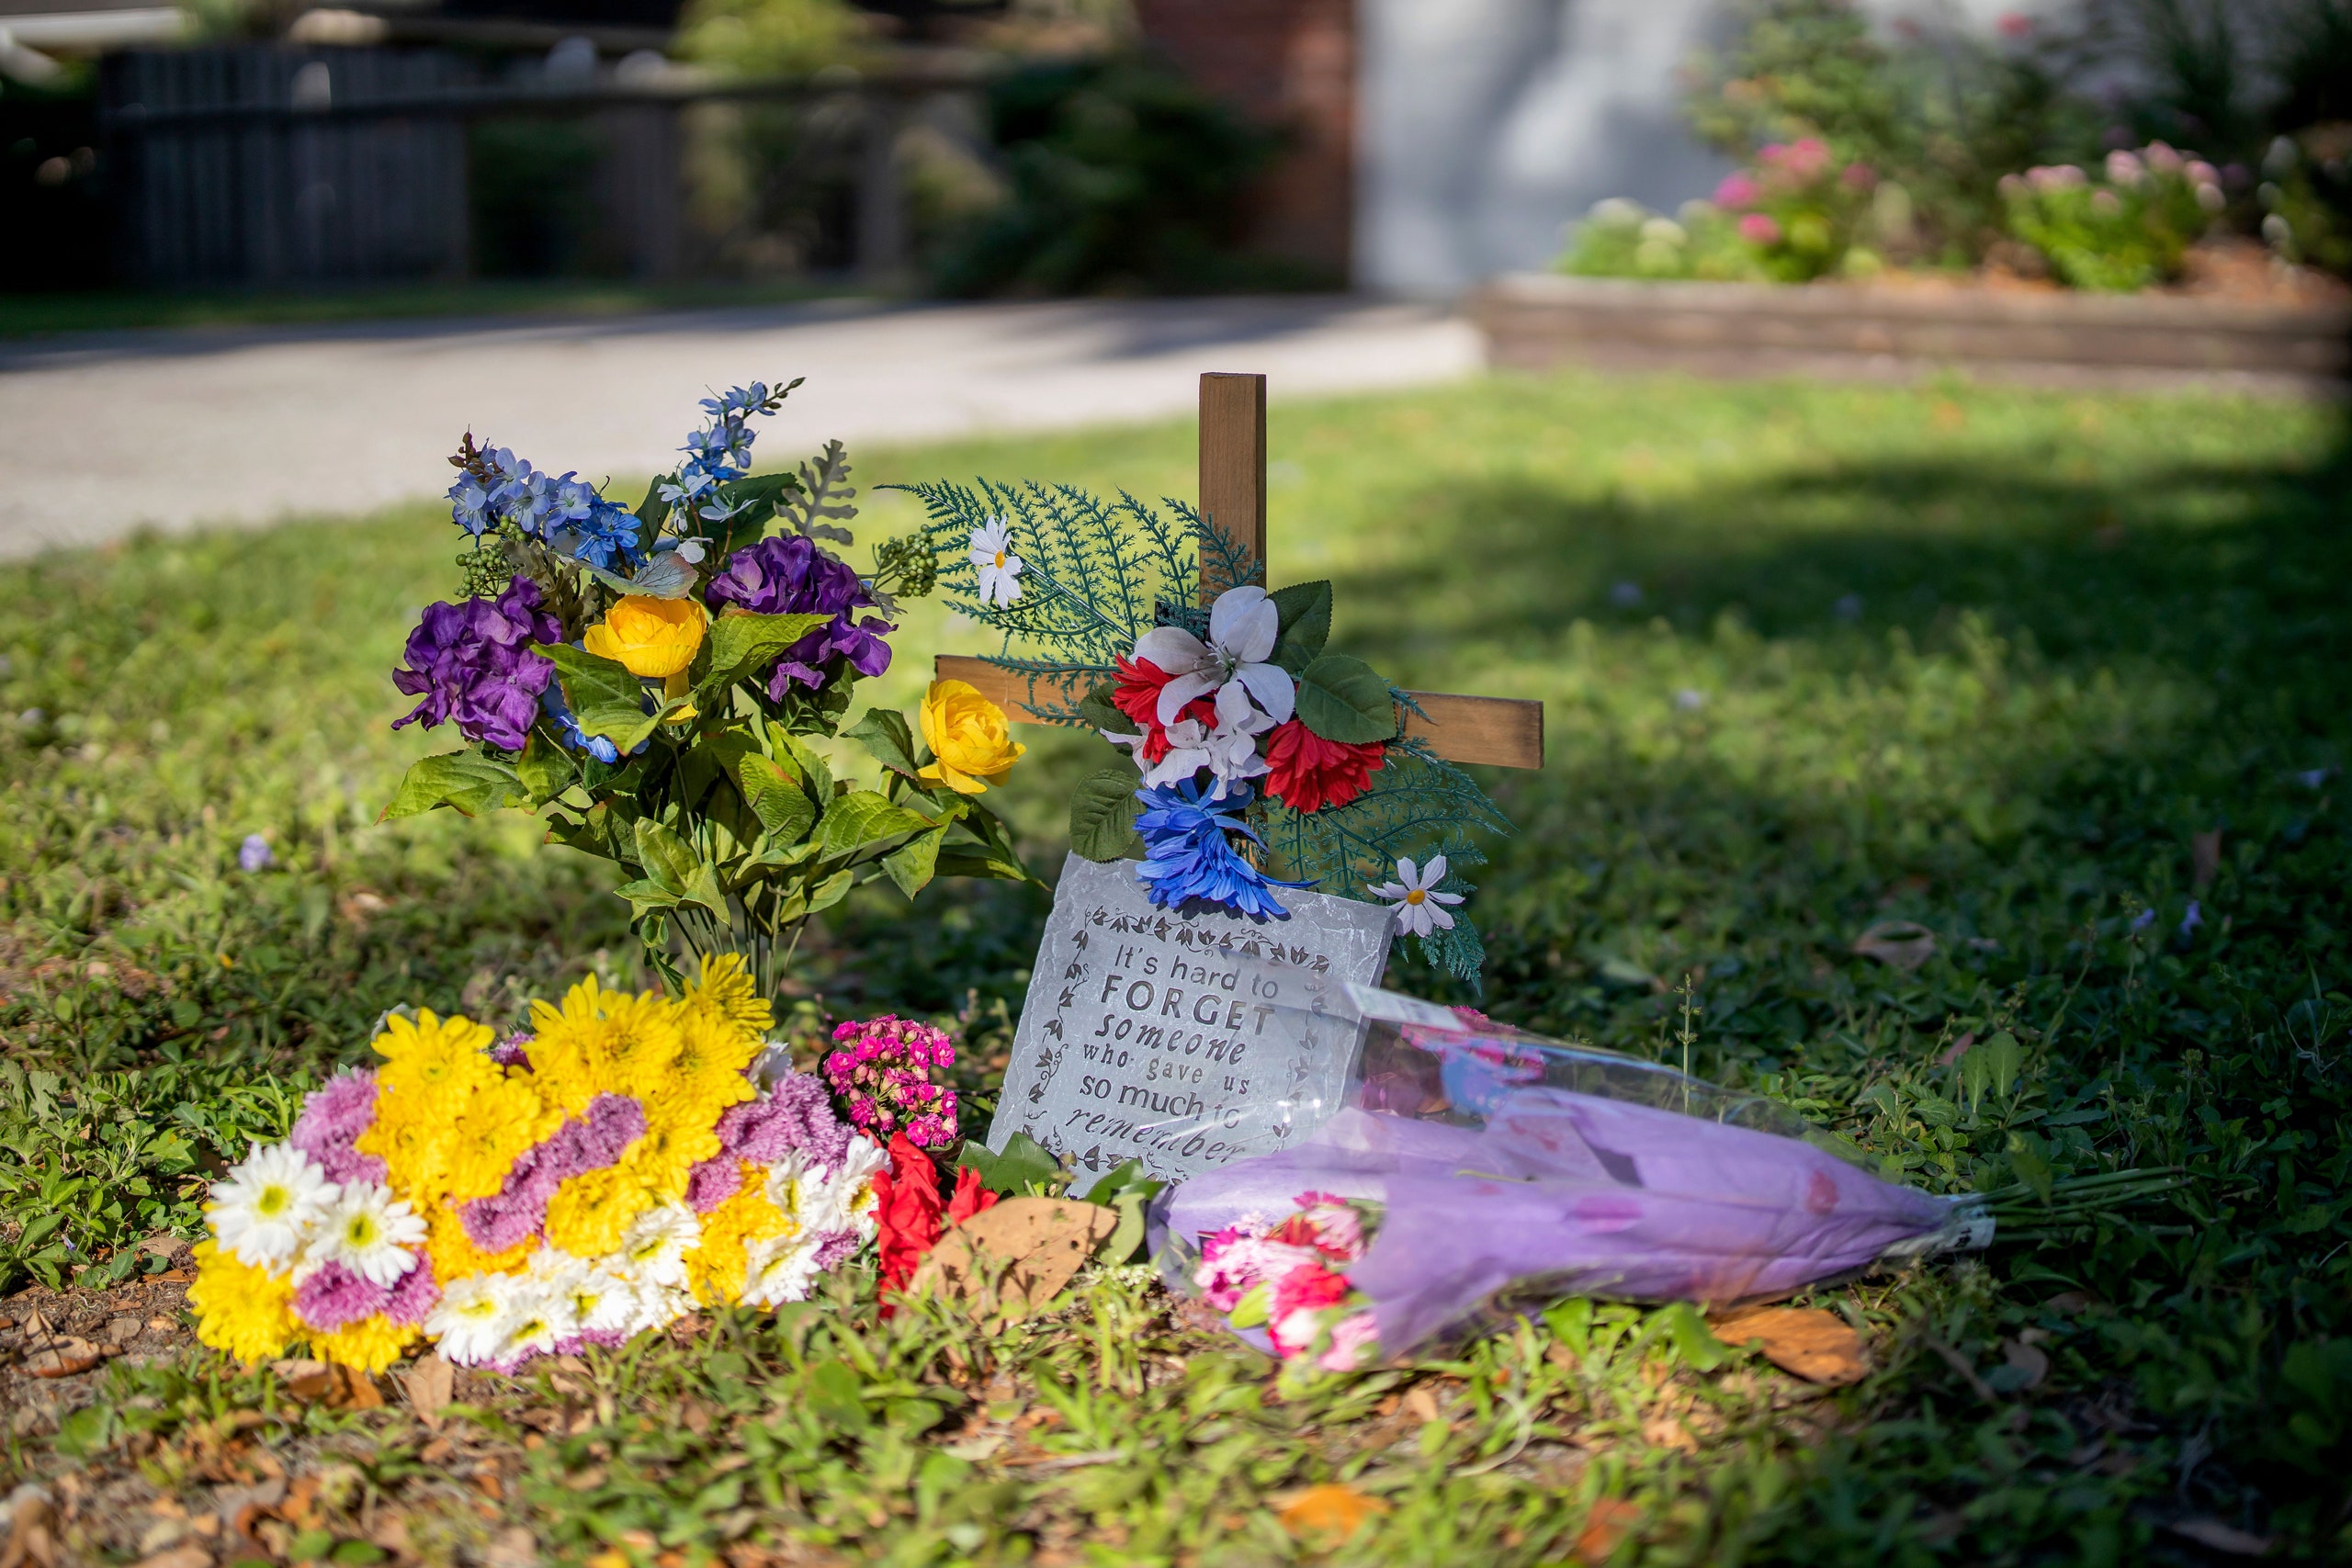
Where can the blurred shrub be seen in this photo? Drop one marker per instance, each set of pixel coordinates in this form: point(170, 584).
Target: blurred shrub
point(2306, 196)
point(531, 197)
point(2124, 232)
point(769, 37)
point(1623, 239)
point(1791, 216)
point(1119, 176)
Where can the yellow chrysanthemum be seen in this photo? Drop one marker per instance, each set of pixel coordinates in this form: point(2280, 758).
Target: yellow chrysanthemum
point(245, 1311)
point(433, 1057)
point(588, 1213)
point(602, 1042)
point(712, 1052)
point(369, 1345)
point(671, 1148)
point(724, 989)
point(500, 1121)
point(414, 1149)
point(454, 1254)
point(715, 1270)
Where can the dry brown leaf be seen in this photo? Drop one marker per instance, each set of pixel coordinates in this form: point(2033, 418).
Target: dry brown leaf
point(1816, 1345)
point(2218, 1537)
point(1328, 1510)
point(1906, 944)
point(1611, 1519)
point(32, 1533)
point(2031, 1360)
point(188, 1556)
point(1421, 1406)
point(2204, 858)
point(64, 1359)
point(1017, 1256)
point(430, 1385)
point(356, 1389)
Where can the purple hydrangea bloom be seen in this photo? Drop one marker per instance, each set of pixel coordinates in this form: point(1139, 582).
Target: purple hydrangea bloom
point(474, 663)
point(795, 1115)
point(334, 1297)
point(713, 1181)
point(516, 1212)
point(791, 576)
point(333, 1119)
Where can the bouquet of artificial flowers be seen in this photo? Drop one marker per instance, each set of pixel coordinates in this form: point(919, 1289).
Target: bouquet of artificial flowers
point(1259, 760)
point(590, 1179)
point(653, 680)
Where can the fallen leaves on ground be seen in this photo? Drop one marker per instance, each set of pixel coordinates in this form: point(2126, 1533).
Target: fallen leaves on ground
point(1611, 1519)
point(1328, 1510)
point(1021, 1252)
point(1808, 1342)
point(1906, 944)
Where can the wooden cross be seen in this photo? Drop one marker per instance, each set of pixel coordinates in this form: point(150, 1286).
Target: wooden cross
point(1501, 731)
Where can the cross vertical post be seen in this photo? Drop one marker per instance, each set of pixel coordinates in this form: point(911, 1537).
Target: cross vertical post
point(1233, 468)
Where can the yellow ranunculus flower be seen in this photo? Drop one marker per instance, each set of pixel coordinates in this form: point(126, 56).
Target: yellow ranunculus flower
point(969, 736)
point(654, 637)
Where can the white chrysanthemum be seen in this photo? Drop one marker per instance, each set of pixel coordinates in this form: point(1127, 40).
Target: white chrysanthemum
point(842, 1199)
point(602, 1299)
point(270, 1206)
point(655, 1307)
point(782, 1269)
point(473, 1317)
point(367, 1231)
point(541, 1313)
point(654, 1247)
point(993, 562)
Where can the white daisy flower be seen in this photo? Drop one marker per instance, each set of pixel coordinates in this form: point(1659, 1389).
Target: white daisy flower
point(598, 1298)
point(540, 1313)
point(782, 1269)
point(654, 1247)
point(367, 1231)
point(1416, 899)
point(653, 1307)
point(473, 1317)
point(270, 1205)
point(993, 561)
point(842, 1199)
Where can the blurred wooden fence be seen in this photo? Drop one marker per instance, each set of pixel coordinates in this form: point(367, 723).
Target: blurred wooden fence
point(268, 165)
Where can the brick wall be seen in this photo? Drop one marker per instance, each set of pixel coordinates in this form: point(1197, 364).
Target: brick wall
point(1289, 64)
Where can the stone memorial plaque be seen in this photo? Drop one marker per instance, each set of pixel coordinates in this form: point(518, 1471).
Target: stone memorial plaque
point(1183, 1039)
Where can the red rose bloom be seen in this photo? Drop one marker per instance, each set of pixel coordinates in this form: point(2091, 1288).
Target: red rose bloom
point(1306, 773)
point(969, 1197)
point(1137, 696)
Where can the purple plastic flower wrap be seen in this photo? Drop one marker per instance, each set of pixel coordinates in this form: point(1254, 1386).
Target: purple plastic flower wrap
point(1505, 1167)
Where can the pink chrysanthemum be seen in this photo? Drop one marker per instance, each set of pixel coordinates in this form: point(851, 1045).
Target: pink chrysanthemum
point(333, 1117)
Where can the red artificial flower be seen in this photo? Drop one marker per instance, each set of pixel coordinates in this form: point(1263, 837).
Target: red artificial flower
point(969, 1197)
point(1310, 1287)
point(1137, 696)
point(1306, 773)
point(908, 1211)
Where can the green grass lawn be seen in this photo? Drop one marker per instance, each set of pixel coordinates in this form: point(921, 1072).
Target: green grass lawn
point(2059, 678)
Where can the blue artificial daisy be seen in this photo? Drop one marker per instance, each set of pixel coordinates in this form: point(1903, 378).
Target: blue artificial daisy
point(1188, 855)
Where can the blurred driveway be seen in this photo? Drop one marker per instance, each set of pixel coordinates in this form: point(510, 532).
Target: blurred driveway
point(103, 434)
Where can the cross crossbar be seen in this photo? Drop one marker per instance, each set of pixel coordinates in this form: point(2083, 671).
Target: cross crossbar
point(1504, 732)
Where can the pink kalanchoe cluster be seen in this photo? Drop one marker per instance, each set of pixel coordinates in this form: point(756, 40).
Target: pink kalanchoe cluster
point(1290, 1278)
point(881, 1071)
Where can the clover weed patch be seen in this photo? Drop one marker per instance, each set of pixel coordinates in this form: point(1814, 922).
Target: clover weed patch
point(1961, 766)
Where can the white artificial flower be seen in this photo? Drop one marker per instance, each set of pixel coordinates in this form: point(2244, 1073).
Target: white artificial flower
point(598, 1298)
point(992, 560)
point(270, 1206)
point(472, 1318)
point(654, 1247)
point(1416, 899)
point(781, 1269)
point(367, 1231)
point(1243, 626)
point(1230, 751)
point(842, 1199)
point(655, 1307)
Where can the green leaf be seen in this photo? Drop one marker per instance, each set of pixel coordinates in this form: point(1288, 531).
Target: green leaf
point(777, 798)
point(1306, 612)
point(2001, 1059)
point(742, 645)
point(1692, 1340)
point(1100, 712)
point(1102, 812)
point(913, 864)
point(1026, 1165)
point(467, 782)
point(1121, 1181)
point(1342, 699)
point(2032, 1168)
point(643, 895)
point(883, 733)
point(545, 768)
point(606, 698)
point(812, 767)
point(1127, 1237)
point(830, 891)
point(669, 859)
point(862, 817)
point(1251, 1309)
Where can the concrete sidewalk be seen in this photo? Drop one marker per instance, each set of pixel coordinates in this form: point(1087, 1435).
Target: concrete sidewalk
point(106, 434)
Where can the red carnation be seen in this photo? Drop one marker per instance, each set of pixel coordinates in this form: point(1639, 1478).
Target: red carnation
point(1310, 1287)
point(908, 1212)
point(1137, 696)
point(1306, 773)
point(969, 1198)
